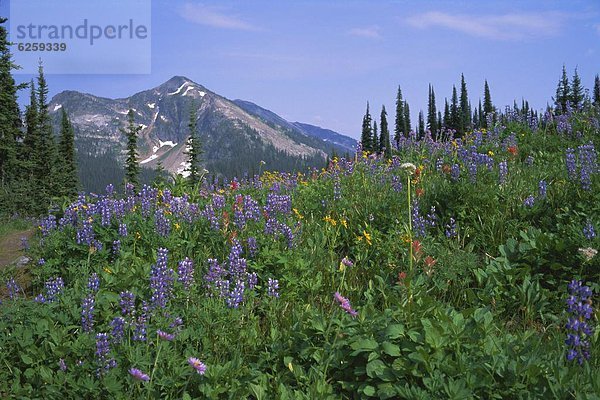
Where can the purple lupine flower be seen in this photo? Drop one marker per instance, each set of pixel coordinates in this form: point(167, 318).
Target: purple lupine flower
point(529, 161)
point(118, 329)
point(418, 222)
point(93, 283)
point(13, 288)
point(451, 229)
point(273, 287)
point(455, 172)
point(47, 225)
point(347, 262)
point(236, 296)
point(337, 189)
point(161, 280)
point(252, 279)
point(102, 350)
point(139, 332)
point(397, 183)
point(198, 365)
point(529, 201)
point(218, 201)
point(139, 375)
point(87, 313)
point(127, 302)
point(588, 231)
point(162, 223)
point(571, 164)
point(62, 365)
point(177, 323)
point(431, 218)
point(185, 273)
point(252, 245)
point(41, 262)
point(345, 304)
point(116, 247)
point(542, 189)
point(110, 190)
point(579, 332)
point(53, 287)
point(587, 164)
point(85, 235)
point(502, 172)
point(123, 230)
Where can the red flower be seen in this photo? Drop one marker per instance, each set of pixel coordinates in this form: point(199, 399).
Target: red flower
point(430, 261)
point(513, 150)
point(419, 192)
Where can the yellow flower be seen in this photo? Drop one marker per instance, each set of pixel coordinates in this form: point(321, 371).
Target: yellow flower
point(367, 237)
point(138, 235)
point(405, 238)
point(297, 213)
point(107, 270)
point(344, 222)
point(177, 226)
point(330, 220)
point(490, 153)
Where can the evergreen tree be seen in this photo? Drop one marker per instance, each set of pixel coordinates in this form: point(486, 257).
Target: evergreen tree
point(464, 108)
point(10, 118)
point(384, 138)
point(439, 124)
point(194, 147)
point(563, 92)
point(597, 91)
point(432, 113)
point(454, 111)
point(476, 118)
point(367, 134)
point(132, 168)
point(421, 128)
point(45, 159)
point(31, 131)
point(407, 124)
point(375, 139)
point(400, 122)
point(488, 107)
point(69, 181)
point(577, 94)
point(446, 121)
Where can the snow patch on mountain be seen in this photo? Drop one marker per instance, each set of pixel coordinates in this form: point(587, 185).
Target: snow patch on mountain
point(151, 105)
point(57, 107)
point(179, 90)
point(147, 160)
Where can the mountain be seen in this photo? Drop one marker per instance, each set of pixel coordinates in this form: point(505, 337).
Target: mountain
point(323, 138)
point(327, 135)
point(235, 136)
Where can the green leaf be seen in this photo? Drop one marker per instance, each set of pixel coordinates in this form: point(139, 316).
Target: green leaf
point(369, 391)
point(26, 359)
point(364, 345)
point(390, 349)
point(375, 368)
point(394, 331)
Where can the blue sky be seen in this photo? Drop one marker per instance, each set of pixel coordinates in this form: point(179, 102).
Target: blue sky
point(320, 61)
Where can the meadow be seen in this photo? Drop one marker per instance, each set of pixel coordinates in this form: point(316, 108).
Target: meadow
point(462, 268)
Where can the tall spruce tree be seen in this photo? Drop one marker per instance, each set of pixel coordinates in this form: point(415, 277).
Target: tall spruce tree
point(439, 124)
point(10, 118)
point(577, 93)
point(45, 157)
point(421, 128)
point(194, 150)
point(69, 181)
point(488, 106)
point(596, 94)
point(132, 167)
point(366, 138)
point(563, 92)
point(454, 112)
point(384, 138)
point(432, 114)
point(31, 127)
point(446, 120)
point(407, 124)
point(375, 139)
point(400, 123)
point(464, 107)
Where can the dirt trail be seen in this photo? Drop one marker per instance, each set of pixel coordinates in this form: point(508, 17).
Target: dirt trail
point(10, 246)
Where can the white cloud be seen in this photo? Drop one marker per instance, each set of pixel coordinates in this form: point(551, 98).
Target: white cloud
point(512, 26)
point(371, 32)
point(216, 17)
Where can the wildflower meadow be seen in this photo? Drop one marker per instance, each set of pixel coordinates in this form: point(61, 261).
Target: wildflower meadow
point(457, 268)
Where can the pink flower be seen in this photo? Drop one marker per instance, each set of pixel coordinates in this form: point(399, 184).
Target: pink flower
point(198, 365)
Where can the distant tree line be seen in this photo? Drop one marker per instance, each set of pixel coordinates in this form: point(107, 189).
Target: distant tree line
point(459, 117)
